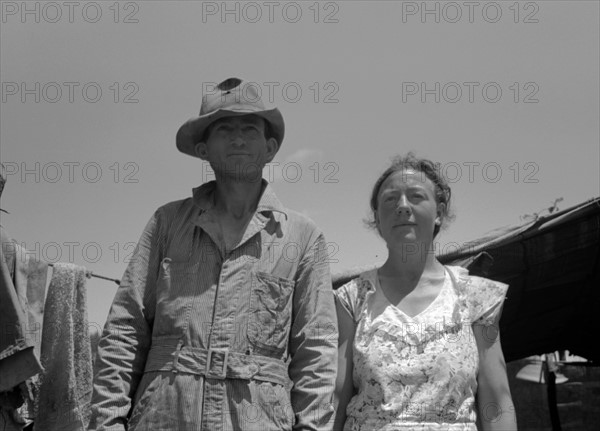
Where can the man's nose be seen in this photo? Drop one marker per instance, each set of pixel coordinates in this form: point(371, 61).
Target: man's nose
point(237, 136)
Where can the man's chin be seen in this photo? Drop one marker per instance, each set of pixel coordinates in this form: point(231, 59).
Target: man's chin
point(239, 174)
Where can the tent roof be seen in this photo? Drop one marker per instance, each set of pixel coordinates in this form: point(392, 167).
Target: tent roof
point(551, 265)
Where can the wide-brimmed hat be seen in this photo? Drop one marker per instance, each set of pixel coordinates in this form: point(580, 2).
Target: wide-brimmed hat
point(232, 97)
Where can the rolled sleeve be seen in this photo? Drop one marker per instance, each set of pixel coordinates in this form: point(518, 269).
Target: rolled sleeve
point(126, 338)
point(313, 341)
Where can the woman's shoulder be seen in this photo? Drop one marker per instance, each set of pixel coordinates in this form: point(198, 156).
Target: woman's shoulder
point(363, 281)
point(353, 294)
point(472, 284)
point(481, 295)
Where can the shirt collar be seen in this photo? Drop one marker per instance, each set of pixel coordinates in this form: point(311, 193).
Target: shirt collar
point(203, 197)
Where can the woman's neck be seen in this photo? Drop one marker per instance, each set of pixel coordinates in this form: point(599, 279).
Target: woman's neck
point(412, 260)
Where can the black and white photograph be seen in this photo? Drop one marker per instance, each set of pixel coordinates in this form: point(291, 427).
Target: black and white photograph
point(300, 215)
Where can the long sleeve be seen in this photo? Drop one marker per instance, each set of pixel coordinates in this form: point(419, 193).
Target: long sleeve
point(313, 341)
point(127, 334)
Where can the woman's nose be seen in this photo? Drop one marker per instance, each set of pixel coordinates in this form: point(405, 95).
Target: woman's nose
point(402, 206)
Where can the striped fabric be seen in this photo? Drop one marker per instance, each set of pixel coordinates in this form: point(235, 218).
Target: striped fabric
point(200, 338)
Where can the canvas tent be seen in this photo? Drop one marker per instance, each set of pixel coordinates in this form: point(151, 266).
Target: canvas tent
point(551, 263)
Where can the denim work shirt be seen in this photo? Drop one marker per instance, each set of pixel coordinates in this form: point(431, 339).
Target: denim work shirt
point(202, 339)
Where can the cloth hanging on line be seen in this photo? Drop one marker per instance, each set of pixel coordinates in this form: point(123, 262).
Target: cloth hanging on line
point(22, 295)
point(28, 393)
point(66, 384)
point(18, 361)
point(89, 274)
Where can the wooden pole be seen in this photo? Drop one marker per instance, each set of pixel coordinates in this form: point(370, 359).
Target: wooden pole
point(550, 376)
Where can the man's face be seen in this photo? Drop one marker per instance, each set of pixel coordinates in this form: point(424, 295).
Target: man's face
point(237, 149)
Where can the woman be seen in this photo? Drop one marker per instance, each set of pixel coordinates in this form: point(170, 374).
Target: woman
point(419, 346)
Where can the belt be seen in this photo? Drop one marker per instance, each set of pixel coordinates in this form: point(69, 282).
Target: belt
point(171, 355)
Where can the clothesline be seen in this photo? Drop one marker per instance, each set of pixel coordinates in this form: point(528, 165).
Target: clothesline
point(91, 274)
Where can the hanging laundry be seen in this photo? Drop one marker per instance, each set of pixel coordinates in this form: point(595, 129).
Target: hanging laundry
point(18, 361)
point(22, 295)
point(45, 351)
point(17, 356)
point(66, 384)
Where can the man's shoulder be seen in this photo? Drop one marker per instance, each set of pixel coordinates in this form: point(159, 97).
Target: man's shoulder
point(300, 220)
point(180, 206)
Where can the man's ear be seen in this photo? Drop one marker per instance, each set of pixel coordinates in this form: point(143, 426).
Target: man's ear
point(201, 150)
point(272, 148)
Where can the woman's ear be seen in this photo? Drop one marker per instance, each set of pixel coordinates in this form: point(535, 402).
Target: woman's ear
point(376, 220)
point(441, 209)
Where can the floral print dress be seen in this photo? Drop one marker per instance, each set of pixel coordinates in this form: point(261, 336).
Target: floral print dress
point(420, 372)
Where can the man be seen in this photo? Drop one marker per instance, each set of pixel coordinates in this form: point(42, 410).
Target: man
point(224, 319)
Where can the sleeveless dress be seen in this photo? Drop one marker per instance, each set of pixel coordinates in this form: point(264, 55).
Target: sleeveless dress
point(420, 372)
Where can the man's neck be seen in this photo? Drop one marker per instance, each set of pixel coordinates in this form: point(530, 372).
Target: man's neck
point(237, 199)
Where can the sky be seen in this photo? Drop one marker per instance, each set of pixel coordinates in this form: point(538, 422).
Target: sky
point(504, 95)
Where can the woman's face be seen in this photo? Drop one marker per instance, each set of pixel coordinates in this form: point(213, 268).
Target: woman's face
point(407, 210)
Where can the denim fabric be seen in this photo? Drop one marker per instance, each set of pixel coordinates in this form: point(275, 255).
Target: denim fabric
point(201, 339)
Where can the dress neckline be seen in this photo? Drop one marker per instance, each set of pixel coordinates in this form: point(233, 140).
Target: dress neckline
point(379, 291)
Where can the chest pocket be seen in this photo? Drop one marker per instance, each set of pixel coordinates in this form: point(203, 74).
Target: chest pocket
point(270, 313)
